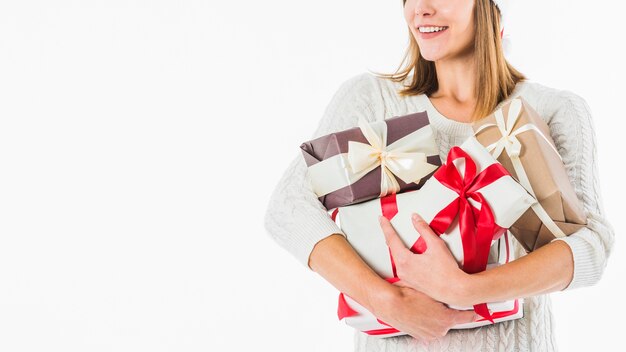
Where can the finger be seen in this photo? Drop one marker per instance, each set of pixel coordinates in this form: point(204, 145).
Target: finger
point(394, 242)
point(424, 229)
point(466, 316)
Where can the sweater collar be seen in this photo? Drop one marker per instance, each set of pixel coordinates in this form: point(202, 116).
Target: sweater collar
point(456, 128)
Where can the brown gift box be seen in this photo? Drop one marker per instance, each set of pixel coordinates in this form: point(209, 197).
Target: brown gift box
point(546, 174)
point(369, 186)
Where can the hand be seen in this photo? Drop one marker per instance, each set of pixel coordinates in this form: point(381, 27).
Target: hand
point(435, 272)
point(418, 315)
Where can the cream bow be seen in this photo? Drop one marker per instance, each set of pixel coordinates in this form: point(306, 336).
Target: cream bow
point(513, 147)
point(509, 139)
point(402, 158)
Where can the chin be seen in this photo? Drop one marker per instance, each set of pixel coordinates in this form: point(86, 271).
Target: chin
point(431, 57)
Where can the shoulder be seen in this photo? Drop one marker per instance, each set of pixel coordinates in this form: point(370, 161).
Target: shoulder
point(568, 117)
point(354, 98)
point(555, 105)
point(368, 91)
point(357, 92)
point(383, 94)
point(363, 83)
point(371, 84)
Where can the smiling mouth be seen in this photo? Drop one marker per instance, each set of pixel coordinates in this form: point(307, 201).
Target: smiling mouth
point(431, 29)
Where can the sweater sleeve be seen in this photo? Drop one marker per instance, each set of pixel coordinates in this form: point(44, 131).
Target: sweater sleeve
point(295, 218)
point(572, 129)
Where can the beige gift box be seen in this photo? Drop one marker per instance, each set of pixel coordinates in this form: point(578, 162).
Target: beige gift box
point(517, 129)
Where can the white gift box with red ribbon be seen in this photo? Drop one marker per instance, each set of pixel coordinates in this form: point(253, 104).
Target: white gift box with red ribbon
point(471, 180)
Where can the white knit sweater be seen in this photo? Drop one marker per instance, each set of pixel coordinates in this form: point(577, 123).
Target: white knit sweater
point(296, 219)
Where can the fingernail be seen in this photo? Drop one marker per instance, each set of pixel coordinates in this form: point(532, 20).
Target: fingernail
point(416, 217)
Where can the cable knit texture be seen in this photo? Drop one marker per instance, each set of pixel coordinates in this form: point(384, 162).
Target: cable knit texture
point(296, 219)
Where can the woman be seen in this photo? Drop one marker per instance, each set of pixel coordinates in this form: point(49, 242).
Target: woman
point(457, 75)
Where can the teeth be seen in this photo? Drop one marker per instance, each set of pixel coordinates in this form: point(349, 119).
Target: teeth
point(431, 29)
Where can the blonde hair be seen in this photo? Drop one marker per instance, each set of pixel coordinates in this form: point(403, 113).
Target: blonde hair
point(495, 80)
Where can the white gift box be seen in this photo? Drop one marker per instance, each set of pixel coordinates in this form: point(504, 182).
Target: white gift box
point(506, 198)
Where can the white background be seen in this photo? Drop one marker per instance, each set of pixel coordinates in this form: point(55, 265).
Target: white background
point(140, 141)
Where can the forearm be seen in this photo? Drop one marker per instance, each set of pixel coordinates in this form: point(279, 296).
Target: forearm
point(338, 263)
point(547, 269)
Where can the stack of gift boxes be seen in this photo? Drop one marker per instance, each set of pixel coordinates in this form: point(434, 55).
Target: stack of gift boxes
point(507, 178)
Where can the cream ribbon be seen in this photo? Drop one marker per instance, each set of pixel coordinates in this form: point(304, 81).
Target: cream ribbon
point(406, 158)
point(513, 147)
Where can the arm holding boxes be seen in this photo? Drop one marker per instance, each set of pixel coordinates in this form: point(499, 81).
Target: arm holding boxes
point(591, 245)
point(505, 282)
point(568, 190)
point(559, 187)
point(519, 278)
point(299, 223)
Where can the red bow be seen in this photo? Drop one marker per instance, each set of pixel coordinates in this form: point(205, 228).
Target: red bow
point(477, 227)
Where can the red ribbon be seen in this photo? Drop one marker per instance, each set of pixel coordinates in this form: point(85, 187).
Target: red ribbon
point(477, 227)
point(344, 310)
point(389, 209)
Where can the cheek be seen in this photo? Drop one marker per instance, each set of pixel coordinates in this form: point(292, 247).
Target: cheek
point(408, 13)
point(407, 18)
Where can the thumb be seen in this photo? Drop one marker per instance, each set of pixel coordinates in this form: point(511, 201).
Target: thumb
point(424, 229)
point(466, 316)
point(394, 242)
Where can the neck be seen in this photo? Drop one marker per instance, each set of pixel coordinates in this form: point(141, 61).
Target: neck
point(456, 78)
